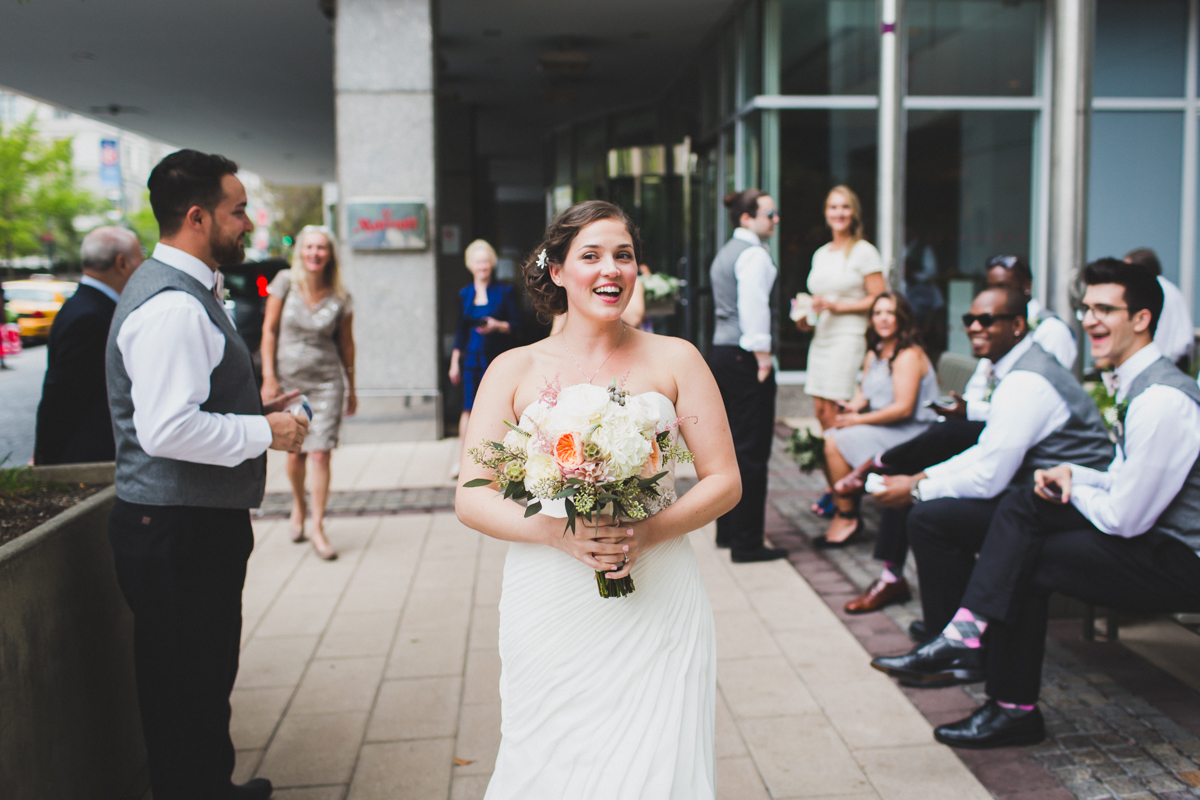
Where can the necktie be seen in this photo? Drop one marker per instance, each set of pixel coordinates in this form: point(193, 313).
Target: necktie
point(219, 287)
point(1112, 382)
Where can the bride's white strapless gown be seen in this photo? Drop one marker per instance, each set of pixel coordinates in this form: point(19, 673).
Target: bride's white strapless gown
point(606, 699)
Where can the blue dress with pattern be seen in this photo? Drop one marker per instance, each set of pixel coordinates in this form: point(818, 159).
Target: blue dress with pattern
point(477, 350)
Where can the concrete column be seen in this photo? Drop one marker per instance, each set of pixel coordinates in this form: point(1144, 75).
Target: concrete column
point(890, 195)
point(384, 90)
point(1070, 124)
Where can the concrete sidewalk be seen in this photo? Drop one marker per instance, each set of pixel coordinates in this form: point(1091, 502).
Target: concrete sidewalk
point(375, 676)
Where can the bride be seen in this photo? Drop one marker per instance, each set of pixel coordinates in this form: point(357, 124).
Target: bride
point(611, 699)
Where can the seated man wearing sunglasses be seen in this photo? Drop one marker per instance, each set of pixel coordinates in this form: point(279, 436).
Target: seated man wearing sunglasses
point(963, 422)
point(1127, 536)
point(1040, 417)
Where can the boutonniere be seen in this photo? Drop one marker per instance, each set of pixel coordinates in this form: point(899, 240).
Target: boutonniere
point(227, 295)
point(1033, 321)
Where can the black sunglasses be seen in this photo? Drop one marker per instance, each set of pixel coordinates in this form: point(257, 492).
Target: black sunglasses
point(1008, 262)
point(986, 320)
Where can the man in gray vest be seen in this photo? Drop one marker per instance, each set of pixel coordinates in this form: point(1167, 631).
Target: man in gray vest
point(743, 283)
point(191, 437)
point(1125, 537)
point(1040, 416)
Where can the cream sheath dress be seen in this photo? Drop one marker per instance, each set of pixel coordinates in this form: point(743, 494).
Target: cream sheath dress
point(839, 342)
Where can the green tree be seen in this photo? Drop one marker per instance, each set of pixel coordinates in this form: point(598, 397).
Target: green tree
point(143, 223)
point(296, 206)
point(38, 192)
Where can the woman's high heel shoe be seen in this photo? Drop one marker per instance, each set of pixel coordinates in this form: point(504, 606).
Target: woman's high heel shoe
point(296, 532)
point(824, 507)
point(324, 550)
point(822, 543)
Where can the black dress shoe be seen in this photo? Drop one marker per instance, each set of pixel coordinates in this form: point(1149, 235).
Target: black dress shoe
point(935, 663)
point(254, 789)
point(918, 633)
point(992, 726)
point(761, 554)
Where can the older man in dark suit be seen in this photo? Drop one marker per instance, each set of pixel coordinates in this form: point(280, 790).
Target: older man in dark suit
point(73, 423)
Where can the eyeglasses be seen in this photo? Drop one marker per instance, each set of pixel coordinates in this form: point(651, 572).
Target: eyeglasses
point(1100, 311)
point(986, 320)
point(1008, 262)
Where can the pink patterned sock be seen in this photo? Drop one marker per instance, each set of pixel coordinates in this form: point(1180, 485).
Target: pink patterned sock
point(966, 628)
point(887, 576)
point(1014, 705)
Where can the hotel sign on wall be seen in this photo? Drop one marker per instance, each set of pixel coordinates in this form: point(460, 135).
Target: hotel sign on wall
point(375, 224)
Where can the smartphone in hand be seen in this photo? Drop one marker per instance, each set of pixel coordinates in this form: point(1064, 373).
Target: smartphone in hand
point(1052, 490)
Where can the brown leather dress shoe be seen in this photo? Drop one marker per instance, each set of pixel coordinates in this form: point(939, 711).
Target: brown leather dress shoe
point(879, 595)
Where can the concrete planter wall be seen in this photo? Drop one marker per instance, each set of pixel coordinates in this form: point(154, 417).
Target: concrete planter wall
point(69, 725)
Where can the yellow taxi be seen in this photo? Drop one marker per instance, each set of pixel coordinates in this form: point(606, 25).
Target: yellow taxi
point(35, 302)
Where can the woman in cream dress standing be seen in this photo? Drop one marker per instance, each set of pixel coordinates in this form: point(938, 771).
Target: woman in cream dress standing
point(847, 275)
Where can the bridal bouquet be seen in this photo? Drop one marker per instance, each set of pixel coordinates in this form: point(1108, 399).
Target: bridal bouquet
point(600, 451)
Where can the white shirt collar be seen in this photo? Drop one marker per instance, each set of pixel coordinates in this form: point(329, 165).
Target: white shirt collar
point(185, 263)
point(746, 235)
point(1006, 363)
point(1134, 366)
point(100, 286)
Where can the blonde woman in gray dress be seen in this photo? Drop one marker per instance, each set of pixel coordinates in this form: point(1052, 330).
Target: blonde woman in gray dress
point(847, 275)
point(308, 345)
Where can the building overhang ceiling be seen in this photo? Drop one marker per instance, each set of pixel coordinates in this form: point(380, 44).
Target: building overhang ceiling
point(253, 79)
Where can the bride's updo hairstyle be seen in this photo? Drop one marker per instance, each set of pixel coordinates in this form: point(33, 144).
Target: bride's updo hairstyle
point(549, 299)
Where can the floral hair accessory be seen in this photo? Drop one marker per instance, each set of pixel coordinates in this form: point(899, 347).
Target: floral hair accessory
point(541, 259)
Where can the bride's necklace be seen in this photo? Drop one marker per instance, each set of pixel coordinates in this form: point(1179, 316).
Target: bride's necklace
point(602, 363)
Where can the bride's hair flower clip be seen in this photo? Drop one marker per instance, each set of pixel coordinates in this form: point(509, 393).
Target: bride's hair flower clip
point(541, 259)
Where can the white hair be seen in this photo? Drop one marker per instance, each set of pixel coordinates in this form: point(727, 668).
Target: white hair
point(101, 247)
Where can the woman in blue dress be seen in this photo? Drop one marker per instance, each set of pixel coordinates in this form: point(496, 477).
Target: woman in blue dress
point(487, 319)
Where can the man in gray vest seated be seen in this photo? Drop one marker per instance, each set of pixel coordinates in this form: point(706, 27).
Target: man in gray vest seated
point(1039, 417)
point(1125, 537)
point(191, 436)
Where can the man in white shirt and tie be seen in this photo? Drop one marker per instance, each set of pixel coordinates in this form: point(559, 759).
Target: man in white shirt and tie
point(743, 281)
point(1126, 537)
point(191, 437)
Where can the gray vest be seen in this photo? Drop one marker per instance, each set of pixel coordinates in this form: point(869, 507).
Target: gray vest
point(165, 481)
point(1181, 518)
point(1082, 439)
point(728, 330)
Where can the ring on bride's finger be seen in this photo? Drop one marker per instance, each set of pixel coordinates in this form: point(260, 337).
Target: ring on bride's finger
point(627, 558)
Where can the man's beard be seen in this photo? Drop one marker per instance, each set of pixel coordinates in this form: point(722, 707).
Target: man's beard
point(227, 252)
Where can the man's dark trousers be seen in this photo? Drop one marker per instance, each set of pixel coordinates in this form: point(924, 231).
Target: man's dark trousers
point(750, 407)
point(182, 570)
point(940, 442)
point(1035, 547)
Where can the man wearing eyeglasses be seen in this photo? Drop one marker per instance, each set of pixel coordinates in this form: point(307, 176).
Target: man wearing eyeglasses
point(1126, 537)
point(1040, 416)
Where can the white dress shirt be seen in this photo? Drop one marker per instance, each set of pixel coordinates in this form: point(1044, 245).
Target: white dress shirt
point(1026, 409)
point(755, 275)
point(100, 286)
point(170, 347)
point(1162, 442)
point(1175, 333)
point(1055, 337)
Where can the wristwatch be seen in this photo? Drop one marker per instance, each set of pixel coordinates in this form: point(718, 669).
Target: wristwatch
point(915, 491)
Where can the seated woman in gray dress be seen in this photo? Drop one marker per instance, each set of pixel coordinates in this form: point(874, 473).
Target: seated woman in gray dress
point(888, 409)
point(308, 345)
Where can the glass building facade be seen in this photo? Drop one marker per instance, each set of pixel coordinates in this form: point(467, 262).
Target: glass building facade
point(784, 95)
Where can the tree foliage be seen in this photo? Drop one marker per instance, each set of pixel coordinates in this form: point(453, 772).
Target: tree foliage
point(38, 192)
point(295, 206)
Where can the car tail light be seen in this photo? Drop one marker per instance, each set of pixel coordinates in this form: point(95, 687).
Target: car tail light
point(262, 285)
point(38, 315)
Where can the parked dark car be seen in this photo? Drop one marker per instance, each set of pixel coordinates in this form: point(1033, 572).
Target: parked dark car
point(247, 287)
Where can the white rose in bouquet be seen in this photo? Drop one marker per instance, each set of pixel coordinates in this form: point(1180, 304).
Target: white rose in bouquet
point(644, 412)
point(535, 416)
point(578, 408)
point(515, 441)
point(622, 444)
point(542, 476)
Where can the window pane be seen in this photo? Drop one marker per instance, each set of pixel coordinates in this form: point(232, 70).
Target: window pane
point(728, 50)
point(751, 52)
point(1141, 48)
point(1135, 184)
point(967, 198)
point(829, 47)
point(972, 47)
point(818, 150)
point(751, 159)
